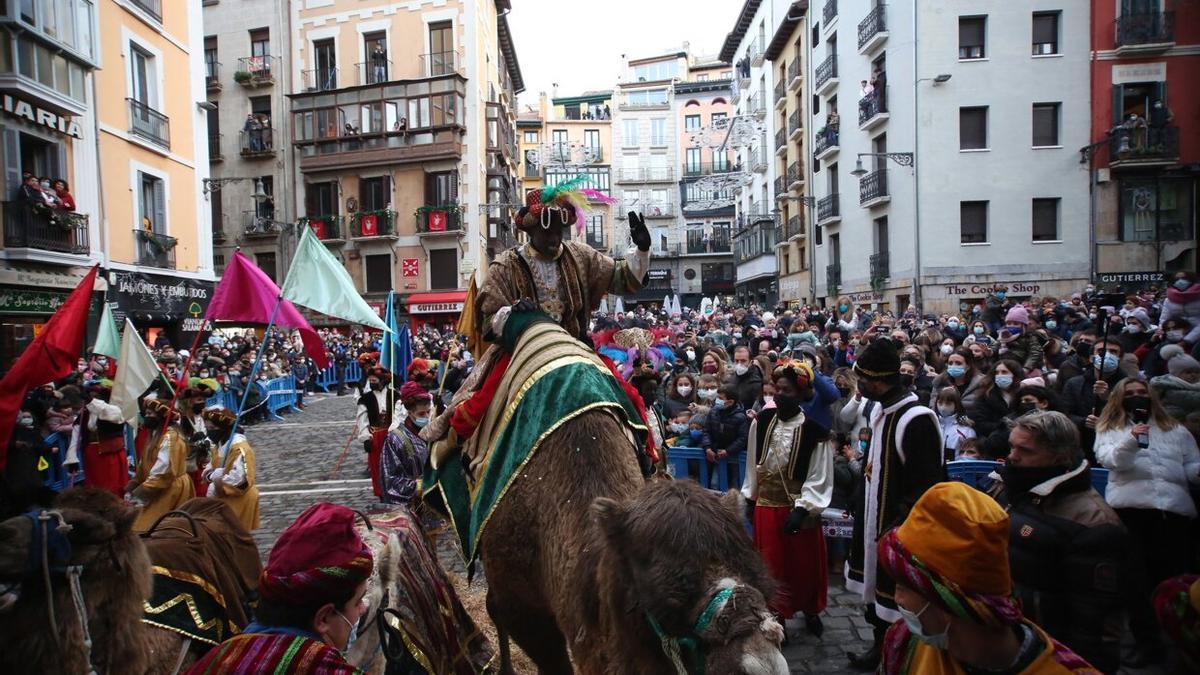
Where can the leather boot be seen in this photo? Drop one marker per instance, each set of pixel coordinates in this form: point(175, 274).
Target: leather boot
point(868, 661)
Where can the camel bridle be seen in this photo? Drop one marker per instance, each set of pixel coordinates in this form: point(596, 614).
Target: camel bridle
point(673, 646)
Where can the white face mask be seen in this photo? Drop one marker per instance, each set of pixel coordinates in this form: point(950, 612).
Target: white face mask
point(741, 368)
point(947, 349)
point(691, 355)
point(913, 621)
point(684, 390)
point(946, 409)
point(708, 394)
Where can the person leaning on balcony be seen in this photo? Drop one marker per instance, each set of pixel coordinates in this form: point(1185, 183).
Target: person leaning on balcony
point(379, 63)
point(31, 191)
point(253, 129)
point(1160, 117)
point(66, 202)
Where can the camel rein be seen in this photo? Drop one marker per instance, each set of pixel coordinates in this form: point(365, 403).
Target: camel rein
point(62, 554)
point(673, 646)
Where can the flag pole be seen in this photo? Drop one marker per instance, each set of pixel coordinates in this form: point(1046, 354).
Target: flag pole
point(254, 371)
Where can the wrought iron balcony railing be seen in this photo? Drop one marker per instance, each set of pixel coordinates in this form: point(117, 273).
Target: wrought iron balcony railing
point(255, 70)
point(825, 139)
point(320, 79)
point(155, 250)
point(214, 148)
point(148, 123)
point(828, 208)
point(880, 266)
point(872, 25)
point(833, 275)
point(872, 105)
point(1145, 29)
point(327, 227)
point(439, 219)
point(374, 71)
point(1144, 145)
point(872, 186)
point(795, 173)
point(827, 70)
point(367, 224)
point(37, 226)
point(829, 13)
point(257, 142)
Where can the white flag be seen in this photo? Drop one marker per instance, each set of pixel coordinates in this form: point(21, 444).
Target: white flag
point(136, 371)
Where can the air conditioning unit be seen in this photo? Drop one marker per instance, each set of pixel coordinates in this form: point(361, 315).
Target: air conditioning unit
point(1044, 49)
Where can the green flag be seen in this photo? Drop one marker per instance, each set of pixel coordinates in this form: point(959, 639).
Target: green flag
point(317, 280)
point(108, 340)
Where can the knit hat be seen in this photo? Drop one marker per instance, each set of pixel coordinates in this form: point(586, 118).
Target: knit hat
point(1178, 365)
point(318, 558)
point(1141, 315)
point(953, 550)
point(1017, 314)
point(879, 360)
point(1169, 352)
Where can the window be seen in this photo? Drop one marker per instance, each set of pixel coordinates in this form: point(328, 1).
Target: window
point(691, 122)
point(658, 131)
point(218, 224)
point(595, 230)
point(646, 97)
point(1137, 98)
point(441, 48)
point(591, 138)
point(266, 263)
point(142, 76)
point(702, 77)
point(1045, 33)
point(597, 178)
point(378, 272)
point(266, 208)
point(152, 204)
point(629, 133)
point(971, 32)
point(1045, 124)
point(441, 188)
point(1158, 210)
point(443, 268)
point(1045, 219)
point(973, 222)
point(561, 147)
point(881, 235)
point(972, 128)
point(376, 50)
point(260, 42)
point(374, 194)
point(320, 199)
point(531, 138)
point(211, 73)
point(663, 70)
point(693, 160)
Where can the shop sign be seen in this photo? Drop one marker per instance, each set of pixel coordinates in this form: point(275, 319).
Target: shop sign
point(20, 301)
point(860, 298)
point(175, 298)
point(1131, 278)
point(60, 123)
point(660, 275)
point(1140, 72)
point(980, 290)
point(436, 308)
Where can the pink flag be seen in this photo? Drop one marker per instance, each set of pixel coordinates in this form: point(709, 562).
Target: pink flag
point(247, 295)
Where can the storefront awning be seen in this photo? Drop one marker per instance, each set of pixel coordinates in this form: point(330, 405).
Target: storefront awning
point(446, 302)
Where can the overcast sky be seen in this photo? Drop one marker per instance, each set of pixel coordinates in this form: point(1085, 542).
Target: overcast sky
point(580, 44)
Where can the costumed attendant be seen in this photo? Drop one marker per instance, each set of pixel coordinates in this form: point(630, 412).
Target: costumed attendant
point(100, 431)
point(789, 483)
point(310, 601)
point(1177, 606)
point(905, 459)
point(955, 595)
point(404, 452)
point(161, 482)
point(200, 446)
point(232, 478)
point(376, 408)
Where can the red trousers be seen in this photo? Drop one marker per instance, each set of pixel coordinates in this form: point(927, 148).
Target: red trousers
point(797, 562)
point(377, 440)
point(106, 466)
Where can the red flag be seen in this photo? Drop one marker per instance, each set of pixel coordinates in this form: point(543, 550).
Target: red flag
point(51, 356)
point(370, 225)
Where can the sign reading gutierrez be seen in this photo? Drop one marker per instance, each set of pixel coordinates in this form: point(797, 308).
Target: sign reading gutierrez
point(436, 308)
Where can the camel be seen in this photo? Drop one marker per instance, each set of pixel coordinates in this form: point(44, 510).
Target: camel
point(581, 554)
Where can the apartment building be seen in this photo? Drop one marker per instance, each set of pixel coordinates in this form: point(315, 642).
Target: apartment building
point(531, 125)
point(247, 61)
point(966, 169)
point(403, 130)
point(577, 141)
point(1144, 150)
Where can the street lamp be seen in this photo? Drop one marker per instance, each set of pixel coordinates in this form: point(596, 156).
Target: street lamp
point(901, 158)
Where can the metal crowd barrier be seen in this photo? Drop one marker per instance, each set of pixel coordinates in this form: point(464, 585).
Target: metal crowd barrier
point(975, 473)
point(678, 461)
point(280, 394)
point(330, 377)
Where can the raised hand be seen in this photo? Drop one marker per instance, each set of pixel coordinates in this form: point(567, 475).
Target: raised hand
point(638, 231)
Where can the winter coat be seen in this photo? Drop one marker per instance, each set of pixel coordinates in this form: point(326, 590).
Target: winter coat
point(1066, 550)
point(749, 386)
point(955, 430)
point(855, 416)
point(1155, 477)
point(1078, 401)
point(1178, 397)
point(825, 394)
point(728, 429)
point(989, 411)
point(969, 393)
point(1026, 350)
point(1184, 305)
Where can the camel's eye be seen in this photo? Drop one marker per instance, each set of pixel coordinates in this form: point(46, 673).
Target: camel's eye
point(723, 624)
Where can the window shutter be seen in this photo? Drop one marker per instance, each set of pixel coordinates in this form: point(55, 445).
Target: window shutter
point(1118, 103)
point(1045, 28)
point(160, 206)
point(12, 160)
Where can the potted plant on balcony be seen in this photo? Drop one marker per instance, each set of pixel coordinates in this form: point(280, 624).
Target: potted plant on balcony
point(242, 77)
point(373, 223)
point(437, 218)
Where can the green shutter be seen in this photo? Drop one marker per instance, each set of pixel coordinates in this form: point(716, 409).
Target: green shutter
point(1118, 97)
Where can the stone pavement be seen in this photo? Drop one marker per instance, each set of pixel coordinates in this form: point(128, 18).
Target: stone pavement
point(296, 468)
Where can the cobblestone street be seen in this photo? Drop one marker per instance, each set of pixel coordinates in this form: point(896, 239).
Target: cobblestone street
point(296, 460)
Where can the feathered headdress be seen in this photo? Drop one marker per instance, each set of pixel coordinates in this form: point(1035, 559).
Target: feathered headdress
point(569, 200)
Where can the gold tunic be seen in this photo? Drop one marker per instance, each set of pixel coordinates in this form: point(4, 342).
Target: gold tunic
point(162, 470)
point(242, 497)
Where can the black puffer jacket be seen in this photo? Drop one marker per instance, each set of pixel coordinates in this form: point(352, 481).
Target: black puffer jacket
point(1066, 553)
point(728, 429)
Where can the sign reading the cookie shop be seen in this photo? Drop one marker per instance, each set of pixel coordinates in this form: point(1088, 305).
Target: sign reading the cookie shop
point(981, 290)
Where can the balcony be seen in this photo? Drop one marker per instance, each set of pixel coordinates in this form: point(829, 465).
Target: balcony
point(825, 143)
point(833, 276)
point(872, 30)
point(319, 79)
point(257, 143)
point(1146, 33)
point(36, 227)
point(795, 176)
point(439, 220)
point(828, 210)
point(781, 142)
point(756, 106)
point(146, 122)
point(829, 13)
point(656, 210)
point(438, 64)
point(873, 189)
point(827, 75)
point(255, 226)
point(373, 72)
point(667, 251)
point(781, 191)
point(327, 228)
point(255, 71)
point(795, 125)
point(872, 110)
point(780, 95)
point(212, 76)
point(693, 170)
point(758, 158)
point(1143, 147)
point(794, 227)
point(755, 52)
point(151, 7)
point(879, 267)
point(656, 174)
point(214, 148)
point(795, 75)
point(155, 250)
point(705, 244)
point(373, 224)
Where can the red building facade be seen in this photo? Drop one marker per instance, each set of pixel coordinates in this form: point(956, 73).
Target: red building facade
point(1145, 158)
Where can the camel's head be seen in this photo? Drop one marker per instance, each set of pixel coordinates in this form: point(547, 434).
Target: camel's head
point(690, 571)
point(86, 527)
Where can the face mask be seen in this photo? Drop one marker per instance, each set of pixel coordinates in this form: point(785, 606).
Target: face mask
point(843, 391)
point(787, 406)
point(710, 369)
point(720, 404)
point(708, 394)
point(1133, 328)
point(102, 362)
point(947, 349)
point(952, 325)
point(1051, 325)
point(906, 379)
point(25, 421)
point(737, 336)
point(420, 422)
point(1004, 381)
point(1174, 335)
point(1092, 317)
point(741, 368)
point(956, 371)
point(197, 408)
point(768, 400)
point(978, 330)
point(843, 308)
point(691, 355)
point(946, 409)
point(696, 434)
point(1022, 479)
point(678, 428)
point(1026, 407)
point(204, 374)
point(974, 310)
point(1001, 294)
point(376, 386)
point(684, 391)
point(353, 633)
point(864, 392)
point(913, 621)
point(1014, 330)
point(1108, 363)
point(1132, 403)
point(1182, 284)
point(864, 444)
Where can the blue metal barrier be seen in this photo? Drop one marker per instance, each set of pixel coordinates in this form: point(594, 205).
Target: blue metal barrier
point(330, 377)
point(678, 460)
point(226, 398)
point(280, 394)
point(975, 473)
point(55, 476)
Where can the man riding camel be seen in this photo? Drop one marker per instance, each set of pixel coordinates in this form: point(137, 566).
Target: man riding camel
point(232, 475)
point(161, 481)
point(565, 280)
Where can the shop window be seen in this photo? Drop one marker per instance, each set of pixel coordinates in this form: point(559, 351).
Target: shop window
point(378, 272)
point(443, 269)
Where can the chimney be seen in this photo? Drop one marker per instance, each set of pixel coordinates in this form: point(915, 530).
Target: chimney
point(554, 90)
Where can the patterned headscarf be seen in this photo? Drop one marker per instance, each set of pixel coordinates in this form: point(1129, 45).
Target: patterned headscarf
point(318, 558)
point(797, 371)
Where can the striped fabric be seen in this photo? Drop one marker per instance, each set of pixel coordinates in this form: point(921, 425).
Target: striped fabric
point(260, 653)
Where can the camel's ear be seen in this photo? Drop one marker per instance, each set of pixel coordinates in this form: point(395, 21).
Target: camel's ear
point(125, 519)
point(87, 528)
point(610, 516)
point(735, 503)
